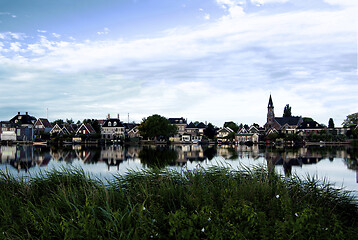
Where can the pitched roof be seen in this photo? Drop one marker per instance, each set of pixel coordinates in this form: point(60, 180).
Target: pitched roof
point(112, 122)
point(68, 128)
point(23, 119)
point(177, 120)
point(45, 122)
point(310, 125)
point(201, 125)
point(86, 126)
point(289, 120)
point(191, 125)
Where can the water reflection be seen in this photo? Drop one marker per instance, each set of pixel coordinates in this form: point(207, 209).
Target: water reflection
point(25, 157)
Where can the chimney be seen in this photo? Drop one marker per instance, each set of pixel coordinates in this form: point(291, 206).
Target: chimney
point(18, 113)
point(118, 115)
point(26, 113)
point(109, 116)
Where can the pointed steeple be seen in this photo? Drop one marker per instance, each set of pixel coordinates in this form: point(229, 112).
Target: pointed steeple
point(270, 103)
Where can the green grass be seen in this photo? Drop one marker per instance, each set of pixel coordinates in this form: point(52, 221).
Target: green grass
point(217, 203)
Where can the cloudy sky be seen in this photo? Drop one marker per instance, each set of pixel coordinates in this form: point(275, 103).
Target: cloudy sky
point(205, 60)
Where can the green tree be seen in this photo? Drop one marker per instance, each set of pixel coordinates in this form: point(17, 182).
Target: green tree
point(58, 121)
point(233, 126)
point(351, 120)
point(210, 131)
point(69, 121)
point(330, 123)
point(156, 127)
point(287, 111)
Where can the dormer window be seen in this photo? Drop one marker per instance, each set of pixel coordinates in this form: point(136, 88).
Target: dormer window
point(109, 124)
point(115, 124)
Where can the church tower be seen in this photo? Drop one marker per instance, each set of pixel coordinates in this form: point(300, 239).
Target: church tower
point(270, 114)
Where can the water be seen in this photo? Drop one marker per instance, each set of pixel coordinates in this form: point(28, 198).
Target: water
point(336, 164)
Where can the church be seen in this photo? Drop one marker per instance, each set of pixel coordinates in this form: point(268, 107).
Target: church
point(280, 124)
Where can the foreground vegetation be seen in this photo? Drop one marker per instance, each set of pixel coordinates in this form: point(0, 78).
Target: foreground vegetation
point(217, 203)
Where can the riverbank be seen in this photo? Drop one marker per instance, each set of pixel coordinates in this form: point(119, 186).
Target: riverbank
point(217, 203)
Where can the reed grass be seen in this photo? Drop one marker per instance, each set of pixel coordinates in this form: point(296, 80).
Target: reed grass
point(214, 203)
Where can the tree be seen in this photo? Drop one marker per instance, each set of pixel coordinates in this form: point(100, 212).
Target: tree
point(351, 119)
point(210, 131)
point(69, 121)
point(330, 123)
point(58, 121)
point(233, 126)
point(287, 111)
point(156, 127)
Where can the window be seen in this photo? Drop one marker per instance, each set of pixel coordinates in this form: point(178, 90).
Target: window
point(115, 124)
point(109, 124)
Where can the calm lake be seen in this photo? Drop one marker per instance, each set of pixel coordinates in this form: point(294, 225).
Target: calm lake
point(336, 164)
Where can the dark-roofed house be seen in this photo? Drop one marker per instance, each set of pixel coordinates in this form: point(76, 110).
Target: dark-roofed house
point(112, 128)
point(85, 129)
point(181, 124)
point(310, 127)
point(24, 124)
point(42, 125)
point(284, 124)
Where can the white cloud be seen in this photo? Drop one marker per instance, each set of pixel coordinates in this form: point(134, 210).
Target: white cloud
point(104, 32)
point(207, 16)
point(15, 46)
point(56, 35)
point(205, 72)
point(41, 31)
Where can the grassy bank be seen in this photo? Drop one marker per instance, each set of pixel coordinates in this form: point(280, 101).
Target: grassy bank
point(203, 204)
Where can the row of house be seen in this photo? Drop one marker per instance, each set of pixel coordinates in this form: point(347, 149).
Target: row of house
point(24, 127)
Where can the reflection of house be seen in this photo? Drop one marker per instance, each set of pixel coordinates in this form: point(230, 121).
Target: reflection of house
point(286, 125)
point(113, 155)
point(112, 128)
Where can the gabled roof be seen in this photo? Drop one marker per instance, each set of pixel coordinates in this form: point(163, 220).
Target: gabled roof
point(201, 125)
point(112, 122)
point(253, 129)
point(177, 120)
point(87, 127)
point(310, 125)
point(56, 128)
point(130, 126)
point(68, 129)
point(225, 129)
point(191, 125)
point(242, 130)
point(289, 120)
point(23, 119)
point(271, 130)
point(44, 122)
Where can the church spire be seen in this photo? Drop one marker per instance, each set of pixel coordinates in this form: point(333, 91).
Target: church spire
point(270, 103)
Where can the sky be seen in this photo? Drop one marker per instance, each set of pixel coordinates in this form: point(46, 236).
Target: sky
point(204, 60)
